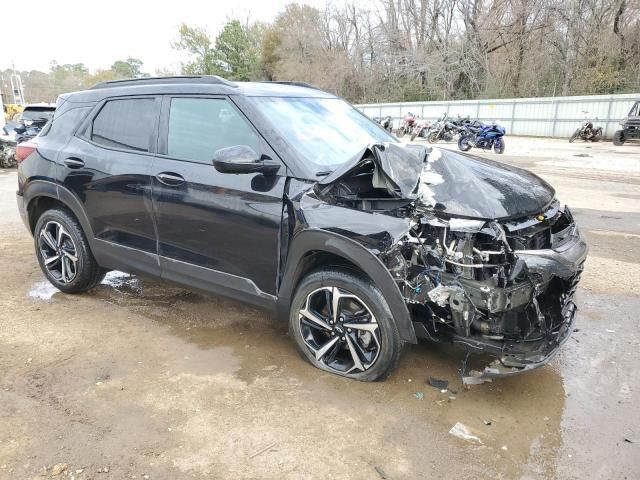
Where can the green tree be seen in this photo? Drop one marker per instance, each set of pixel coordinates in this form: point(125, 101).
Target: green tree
point(271, 40)
point(237, 51)
point(129, 68)
point(196, 41)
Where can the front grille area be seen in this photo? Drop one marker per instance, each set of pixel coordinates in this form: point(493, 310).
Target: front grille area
point(531, 239)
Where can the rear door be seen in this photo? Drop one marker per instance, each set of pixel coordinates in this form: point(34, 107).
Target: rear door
point(217, 231)
point(107, 167)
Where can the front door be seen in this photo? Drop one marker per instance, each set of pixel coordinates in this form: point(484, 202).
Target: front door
point(217, 231)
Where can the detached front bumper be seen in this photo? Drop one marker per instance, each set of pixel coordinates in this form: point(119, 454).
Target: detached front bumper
point(565, 261)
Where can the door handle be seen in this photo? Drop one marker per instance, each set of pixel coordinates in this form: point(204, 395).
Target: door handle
point(73, 162)
point(171, 179)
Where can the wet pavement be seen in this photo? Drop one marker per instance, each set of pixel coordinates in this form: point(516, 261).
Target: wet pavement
point(142, 378)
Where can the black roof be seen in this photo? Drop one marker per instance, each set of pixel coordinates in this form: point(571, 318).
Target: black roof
point(172, 80)
point(193, 84)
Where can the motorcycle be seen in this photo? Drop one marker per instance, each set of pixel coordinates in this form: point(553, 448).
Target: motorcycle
point(7, 151)
point(421, 129)
point(587, 132)
point(480, 135)
point(408, 122)
point(443, 129)
point(386, 123)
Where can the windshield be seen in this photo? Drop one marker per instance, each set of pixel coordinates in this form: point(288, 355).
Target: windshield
point(325, 132)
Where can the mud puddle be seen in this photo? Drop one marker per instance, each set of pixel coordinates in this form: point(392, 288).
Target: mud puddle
point(256, 349)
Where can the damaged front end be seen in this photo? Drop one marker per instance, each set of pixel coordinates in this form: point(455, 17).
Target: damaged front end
point(489, 259)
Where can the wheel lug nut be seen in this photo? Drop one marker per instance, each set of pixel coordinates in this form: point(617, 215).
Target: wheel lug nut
point(349, 330)
point(342, 339)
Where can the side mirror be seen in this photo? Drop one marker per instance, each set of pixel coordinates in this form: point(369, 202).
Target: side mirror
point(243, 159)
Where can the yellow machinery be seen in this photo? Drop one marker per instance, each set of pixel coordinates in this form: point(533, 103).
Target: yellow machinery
point(12, 111)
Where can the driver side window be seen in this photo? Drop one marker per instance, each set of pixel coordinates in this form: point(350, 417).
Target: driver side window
point(200, 126)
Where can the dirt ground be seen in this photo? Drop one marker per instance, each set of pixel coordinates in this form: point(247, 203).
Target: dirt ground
point(139, 379)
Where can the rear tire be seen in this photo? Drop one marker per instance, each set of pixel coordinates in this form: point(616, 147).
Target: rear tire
point(498, 145)
point(618, 138)
point(64, 254)
point(360, 341)
point(413, 136)
point(598, 135)
point(432, 137)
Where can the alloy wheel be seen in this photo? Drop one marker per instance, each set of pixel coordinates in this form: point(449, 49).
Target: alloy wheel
point(340, 330)
point(59, 252)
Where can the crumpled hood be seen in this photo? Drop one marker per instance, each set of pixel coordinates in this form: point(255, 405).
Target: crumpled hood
point(451, 183)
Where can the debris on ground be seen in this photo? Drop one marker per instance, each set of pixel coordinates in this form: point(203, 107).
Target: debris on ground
point(461, 431)
point(582, 155)
point(380, 472)
point(263, 449)
point(438, 383)
point(419, 395)
point(487, 422)
point(475, 378)
point(58, 468)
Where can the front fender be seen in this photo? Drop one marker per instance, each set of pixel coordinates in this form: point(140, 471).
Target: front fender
point(315, 240)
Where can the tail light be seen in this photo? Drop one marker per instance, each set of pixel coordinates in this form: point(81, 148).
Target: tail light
point(23, 150)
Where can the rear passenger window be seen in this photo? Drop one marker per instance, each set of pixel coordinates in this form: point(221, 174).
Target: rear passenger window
point(126, 123)
point(200, 126)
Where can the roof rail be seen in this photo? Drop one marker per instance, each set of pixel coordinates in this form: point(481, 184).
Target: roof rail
point(294, 83)
point(176, 79)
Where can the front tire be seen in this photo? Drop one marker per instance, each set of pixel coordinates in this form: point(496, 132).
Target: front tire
point(63, 252)
point(618, 138)
point(463, 144)
point(341, 323)
point(575, 135)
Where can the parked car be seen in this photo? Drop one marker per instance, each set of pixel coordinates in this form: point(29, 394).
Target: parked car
point(286, 197)
point(630, 126)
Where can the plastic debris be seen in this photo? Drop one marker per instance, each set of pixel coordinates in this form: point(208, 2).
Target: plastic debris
point(419, 395)
point(461, 431)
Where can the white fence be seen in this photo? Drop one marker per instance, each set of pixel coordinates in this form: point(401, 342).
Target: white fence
point(538, 117)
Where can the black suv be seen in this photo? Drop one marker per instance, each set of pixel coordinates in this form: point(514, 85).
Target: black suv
point(630, 126)
point(288, 198)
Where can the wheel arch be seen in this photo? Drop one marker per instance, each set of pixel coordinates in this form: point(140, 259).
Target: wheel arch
point(311, 249)
point(42, 195)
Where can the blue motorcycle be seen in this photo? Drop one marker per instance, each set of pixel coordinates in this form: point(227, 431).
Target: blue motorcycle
point(482, 135)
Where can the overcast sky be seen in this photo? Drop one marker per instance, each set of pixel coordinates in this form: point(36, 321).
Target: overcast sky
point(97, 33)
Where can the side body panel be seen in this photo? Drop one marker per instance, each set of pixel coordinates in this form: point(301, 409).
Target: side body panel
point(217, 230)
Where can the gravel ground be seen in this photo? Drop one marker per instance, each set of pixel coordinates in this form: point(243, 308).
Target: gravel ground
point(139, 379)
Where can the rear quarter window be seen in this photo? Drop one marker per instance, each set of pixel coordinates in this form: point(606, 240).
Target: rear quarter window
point(64, 124)
point(125, 123)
